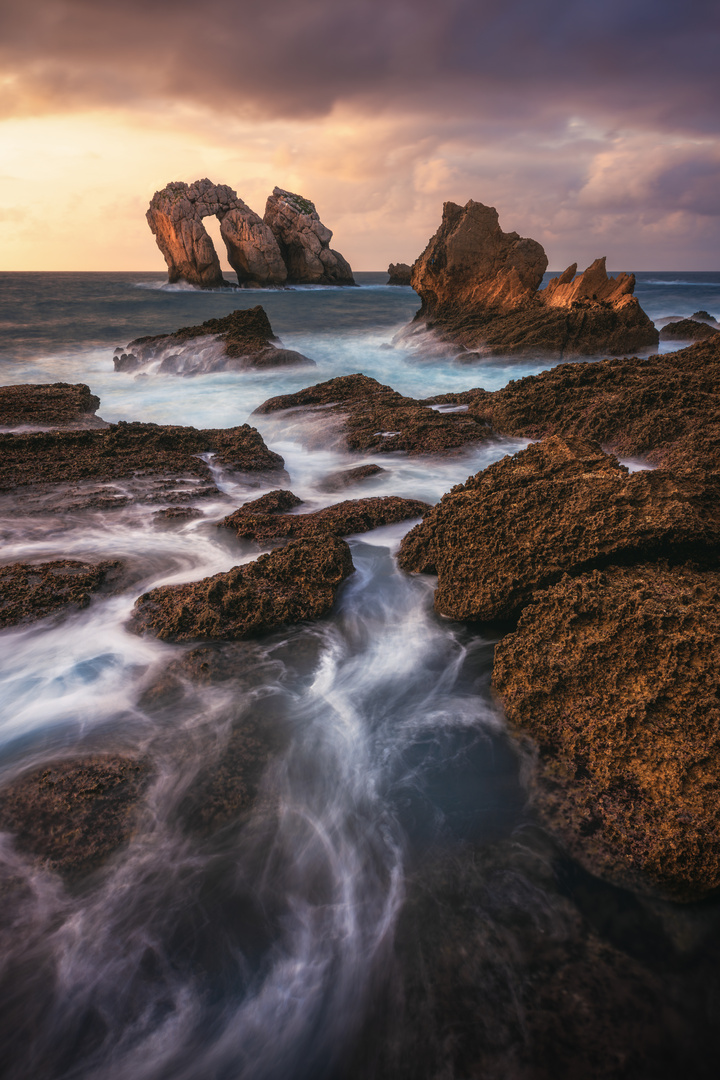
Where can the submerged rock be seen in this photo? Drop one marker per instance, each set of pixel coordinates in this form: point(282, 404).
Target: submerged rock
point(615, 676)
point(30, 591)
point(73, 814)
point(359, 413)
point(295, 583)
point(304, 241)
point(342, 519)
point(479, 289)
point(399, 274)
point(344, 478)
point(49, 405)
point(687, 330)
point(561, 506)
point(243, 339)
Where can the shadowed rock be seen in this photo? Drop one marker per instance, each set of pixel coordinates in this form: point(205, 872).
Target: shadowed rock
point(342, 519)
point(304, 241)
point(687, 330)
point(615, 676)
point(479, 289)
point(399, 274)
point(290, 585)
point(31, 591)
point(561, 506)
point(243, 339)
point(359, 413)
point(343, 478)
point(74, 814)
point(49, 405)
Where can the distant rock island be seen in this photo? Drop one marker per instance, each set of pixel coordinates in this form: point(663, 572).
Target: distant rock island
point(479, 288)
point(290, 245)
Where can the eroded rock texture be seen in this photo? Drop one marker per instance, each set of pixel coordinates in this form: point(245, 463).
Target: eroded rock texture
point(687, 330)
point(243, 339)
point(290, 585)
point(50, 405)
point(304, 241)
point(175, 218)
point(561, 506)
point(74, 814)
point(342, 519)
point(30, 591)
point(615, 676)
point(359, 413)
point(479, 289)
point(399, 274)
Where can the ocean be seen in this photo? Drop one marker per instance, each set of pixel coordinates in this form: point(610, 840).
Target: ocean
point(266, 949)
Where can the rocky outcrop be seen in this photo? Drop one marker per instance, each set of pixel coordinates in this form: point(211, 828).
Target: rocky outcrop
point(175, 218)
point(479, 288)
point(31, 591)
point(664, 408)
point(687, 330)
point(74, 814)
point(358, 413)
point(615, 677)
point(295, 583)
point(345, 478)
point(51, 405)
point(304, 241)
point(142, 451)
point(559, 507)
point(399, 274)
point(342, 519)
point(243, 339)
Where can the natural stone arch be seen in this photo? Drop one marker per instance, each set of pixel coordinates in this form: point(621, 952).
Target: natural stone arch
point(175, 218)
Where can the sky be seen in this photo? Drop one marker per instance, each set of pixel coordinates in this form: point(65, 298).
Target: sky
point(592, 125)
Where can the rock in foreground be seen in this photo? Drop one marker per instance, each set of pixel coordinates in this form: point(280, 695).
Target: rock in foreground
point(30, 591)
point(479, 289)
point(74, 814)
point(342, 519)
point(295, 583)
point(243, 339)
point(49, 405)
point(687, 330)
point(561, 506)
point(615, 676)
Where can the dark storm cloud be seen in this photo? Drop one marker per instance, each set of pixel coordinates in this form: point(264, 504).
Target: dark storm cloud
point(623, 61)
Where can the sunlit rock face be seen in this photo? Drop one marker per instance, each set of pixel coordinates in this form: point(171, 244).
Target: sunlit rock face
point(479, 288)
point(304, 241)
point(175, 218)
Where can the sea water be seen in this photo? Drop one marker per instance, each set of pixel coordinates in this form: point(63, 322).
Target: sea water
point(256, 952)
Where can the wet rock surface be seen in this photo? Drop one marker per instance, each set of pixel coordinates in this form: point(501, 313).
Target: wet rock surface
point(561, 506)
point(31, 591)
point(665, 408)
point(49, 405)
point(479, 288)
point(615, 677)
point(359, 413)
point(73, 814)
point(399, 274)
point(342, 519)
point(295, 583)
point(243, 339)
point(130, 450)
point(687, 330)
point(304, 241)
point(345, 478)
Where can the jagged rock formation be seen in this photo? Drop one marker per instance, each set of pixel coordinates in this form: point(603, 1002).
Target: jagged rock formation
point(479, 289)
point(30, 591)
point(243, 339)
point(687, 330)
point(399, 274)
point(304, 241)
point(254, 521)
point(55, 405)
point(175, 218)
point(290, 585)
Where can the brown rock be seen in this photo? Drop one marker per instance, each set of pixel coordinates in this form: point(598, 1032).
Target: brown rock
point(359, 413)
point(50, 405)
point(31, 591)
point(687, 330)
point(73, 814)
point(615, 676)
point(561, 506)
point(175, 218)
point(399, 274)
point(304, 241)
point(479, 289)
point(342, 519)
point(344, 478)
point(245, 340)
point(130, 450)
point(665, 408)
point(290, 585)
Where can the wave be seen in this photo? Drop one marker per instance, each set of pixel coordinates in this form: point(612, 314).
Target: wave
point(686, 284)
